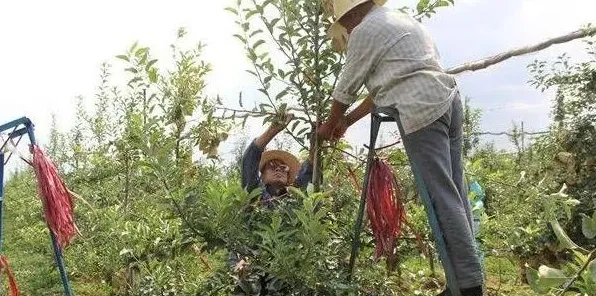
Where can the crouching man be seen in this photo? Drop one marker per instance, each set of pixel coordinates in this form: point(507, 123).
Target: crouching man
point(273, 170)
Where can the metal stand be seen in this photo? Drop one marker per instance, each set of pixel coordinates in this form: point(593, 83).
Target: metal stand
point(376, 119)
point(27, 128)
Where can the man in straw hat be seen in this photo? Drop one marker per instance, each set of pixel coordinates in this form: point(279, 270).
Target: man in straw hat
point(273, 170)
point(396, 59)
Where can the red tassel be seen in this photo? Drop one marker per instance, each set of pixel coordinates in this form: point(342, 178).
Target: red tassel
point(12, 283)
point(56, 199)
point(385, 210)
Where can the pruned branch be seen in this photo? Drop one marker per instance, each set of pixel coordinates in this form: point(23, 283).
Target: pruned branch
point(487, 62)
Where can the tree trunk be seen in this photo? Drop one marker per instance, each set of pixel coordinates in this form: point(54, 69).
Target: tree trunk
point(317, 171)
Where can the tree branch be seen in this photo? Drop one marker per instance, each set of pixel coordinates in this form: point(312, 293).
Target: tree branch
point(359, 159)
point(505, 133)
point(384, 147)
point(244, 111)
point(487, 62)
point(579, 273)
point(429, 8)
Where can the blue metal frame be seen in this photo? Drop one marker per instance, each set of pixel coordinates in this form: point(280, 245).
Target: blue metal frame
point(28, 129)
point(376, 120)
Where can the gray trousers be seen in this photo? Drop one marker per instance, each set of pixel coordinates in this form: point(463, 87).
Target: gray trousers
point(436, 152)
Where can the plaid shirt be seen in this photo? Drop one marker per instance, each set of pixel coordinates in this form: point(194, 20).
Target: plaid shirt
point(395, 58)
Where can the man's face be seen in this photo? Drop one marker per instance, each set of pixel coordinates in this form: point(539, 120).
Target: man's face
point(275, 172)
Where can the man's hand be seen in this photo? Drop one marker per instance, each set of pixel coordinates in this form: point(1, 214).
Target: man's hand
point(340, 129)
point(328, 130)
point(240, 266)
point(332, 130)
point(280, 121)
point(337, 124)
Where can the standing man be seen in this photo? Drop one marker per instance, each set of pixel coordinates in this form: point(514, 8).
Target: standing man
point(396, 59)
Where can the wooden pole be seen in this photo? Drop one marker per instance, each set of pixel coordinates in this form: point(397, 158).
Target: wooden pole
point(523, 137)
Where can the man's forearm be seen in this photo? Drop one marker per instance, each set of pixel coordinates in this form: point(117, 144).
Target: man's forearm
point(337, 111)
point(266, 137)
point(362, 110)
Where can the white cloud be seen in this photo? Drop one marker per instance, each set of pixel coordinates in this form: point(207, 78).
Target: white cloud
point(538, 18)
point(52, 53)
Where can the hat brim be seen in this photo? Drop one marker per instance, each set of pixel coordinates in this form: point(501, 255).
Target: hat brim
point(338, 34)
point(290, 160)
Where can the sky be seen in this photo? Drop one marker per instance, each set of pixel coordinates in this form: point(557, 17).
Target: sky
point(51, 52)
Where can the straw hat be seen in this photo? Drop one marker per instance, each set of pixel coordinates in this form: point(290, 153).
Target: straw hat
point(337, 33)
point(290, 160)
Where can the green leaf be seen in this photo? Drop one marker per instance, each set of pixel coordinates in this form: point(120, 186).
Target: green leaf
point(255, 192)
point(294, 125)
point(258, 43)
point(240, 100)
point(282, 107)
point(263, 55)
point(232, 10)
point(141, 51)
point(255, 32)
point(297, 192)
point(132, 70)
point(551, 277)
point(422, 5)
point(151, 63)
point(240, 38)
point(252, 55)
point(136, 79)
point(589, 226)
point(534, 280)
point(281, 94)
point(302, 131)
point(544, 279)
point(264, 91)
point(153, 76)
point(263, 107)
point(563, 238)
point(592, 270)
point(123, 57)
point(443, 3)
point(250, 14)
point(133, 47)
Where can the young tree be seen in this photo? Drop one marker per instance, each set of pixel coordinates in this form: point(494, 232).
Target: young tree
point(471, 127)
point(294, 62)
